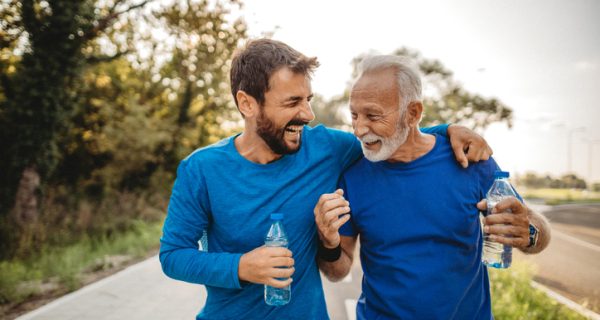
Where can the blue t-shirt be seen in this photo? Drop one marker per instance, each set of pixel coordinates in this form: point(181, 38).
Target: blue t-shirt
point(420, 236)
point(220, 192)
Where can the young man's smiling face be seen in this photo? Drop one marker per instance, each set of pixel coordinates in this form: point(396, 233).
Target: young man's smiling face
point(286, 111)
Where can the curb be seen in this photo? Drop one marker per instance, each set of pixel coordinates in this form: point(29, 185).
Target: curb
point(567, 302)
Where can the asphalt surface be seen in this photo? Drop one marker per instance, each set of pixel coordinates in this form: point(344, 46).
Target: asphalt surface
point(571, 263)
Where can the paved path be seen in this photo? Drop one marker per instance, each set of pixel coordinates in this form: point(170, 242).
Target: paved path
point(138, 292)
point(142, 291)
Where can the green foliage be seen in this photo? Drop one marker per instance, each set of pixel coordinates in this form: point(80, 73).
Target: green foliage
point(139, 91)
point(444, 99)
point(513, 297)
point(158, 106)
point(39, 101)
point(330, 112)
point(196, 79)
point(61, 268)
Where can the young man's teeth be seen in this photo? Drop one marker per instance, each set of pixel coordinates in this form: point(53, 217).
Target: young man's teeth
point(293, 129)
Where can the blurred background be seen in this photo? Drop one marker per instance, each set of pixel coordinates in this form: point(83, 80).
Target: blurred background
point(101, 99)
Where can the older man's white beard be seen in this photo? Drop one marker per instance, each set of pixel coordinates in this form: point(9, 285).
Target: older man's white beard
point(388, 145)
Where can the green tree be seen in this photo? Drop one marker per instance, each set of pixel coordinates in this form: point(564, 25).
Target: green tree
point(45, 41)
point(141, 113)
point(196, 78)
point(445, 100)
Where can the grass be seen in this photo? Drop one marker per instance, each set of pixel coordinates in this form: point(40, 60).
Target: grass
point(561, 196)
point(514, 298)
point(62, 268)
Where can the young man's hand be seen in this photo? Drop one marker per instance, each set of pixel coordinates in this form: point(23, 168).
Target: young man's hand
point(468, 145)
point(266, 265)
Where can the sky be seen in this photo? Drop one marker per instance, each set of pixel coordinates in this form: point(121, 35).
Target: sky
point(540, 57)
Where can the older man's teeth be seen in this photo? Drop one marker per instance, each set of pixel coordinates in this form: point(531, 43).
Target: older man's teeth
point(370, 142)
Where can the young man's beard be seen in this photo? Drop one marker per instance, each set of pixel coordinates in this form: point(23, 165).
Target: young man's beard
point(273, 136)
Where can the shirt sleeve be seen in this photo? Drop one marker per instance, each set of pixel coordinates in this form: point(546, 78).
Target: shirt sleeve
point(345, 147)
point(187, 218)
point(348, 228)
point(441, 129)
point(486, 177)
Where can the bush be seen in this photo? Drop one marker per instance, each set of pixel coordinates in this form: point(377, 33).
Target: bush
point(513, 297)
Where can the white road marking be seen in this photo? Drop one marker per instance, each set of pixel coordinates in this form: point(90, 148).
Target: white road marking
point(576, 241)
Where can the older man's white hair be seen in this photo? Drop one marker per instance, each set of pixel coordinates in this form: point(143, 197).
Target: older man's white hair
point(407, 74)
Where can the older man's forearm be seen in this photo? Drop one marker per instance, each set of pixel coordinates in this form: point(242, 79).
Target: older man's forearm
point(544, 232)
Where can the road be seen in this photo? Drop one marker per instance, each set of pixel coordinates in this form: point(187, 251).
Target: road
point(570, 266)
point(571, 263)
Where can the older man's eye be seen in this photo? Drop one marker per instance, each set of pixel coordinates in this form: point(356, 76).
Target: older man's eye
point(354, 115)
point(374, 117)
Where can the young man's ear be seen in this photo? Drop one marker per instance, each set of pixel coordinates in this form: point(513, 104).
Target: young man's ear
point(414, 113)
point(247, 104)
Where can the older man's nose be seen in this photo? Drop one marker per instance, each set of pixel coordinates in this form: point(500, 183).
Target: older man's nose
point(360, 129)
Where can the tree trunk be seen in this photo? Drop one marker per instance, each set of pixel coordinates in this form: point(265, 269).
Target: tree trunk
point(25, 210)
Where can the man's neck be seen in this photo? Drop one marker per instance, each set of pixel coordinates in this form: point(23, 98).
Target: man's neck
point(252, 147)
point(416, 145)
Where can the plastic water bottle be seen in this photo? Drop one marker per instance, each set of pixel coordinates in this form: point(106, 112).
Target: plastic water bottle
point(495, 254)
point(277, 238)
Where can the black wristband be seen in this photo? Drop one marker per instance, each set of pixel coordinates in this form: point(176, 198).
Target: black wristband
point(329, 255)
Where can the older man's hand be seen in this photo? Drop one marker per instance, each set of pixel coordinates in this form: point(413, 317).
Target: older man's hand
point(508, 223)
point(330, 214)
point(468, 145)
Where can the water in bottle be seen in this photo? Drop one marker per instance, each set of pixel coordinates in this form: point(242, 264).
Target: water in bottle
point(276, 237)
point(495, 254)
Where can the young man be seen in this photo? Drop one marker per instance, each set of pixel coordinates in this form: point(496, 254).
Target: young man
point(415, 209)
point(278, 164)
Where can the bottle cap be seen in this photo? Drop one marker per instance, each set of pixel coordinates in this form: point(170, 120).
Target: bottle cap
point(501, 174)
point(276, 216)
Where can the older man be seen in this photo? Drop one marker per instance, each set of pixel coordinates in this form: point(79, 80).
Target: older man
point(414, 208)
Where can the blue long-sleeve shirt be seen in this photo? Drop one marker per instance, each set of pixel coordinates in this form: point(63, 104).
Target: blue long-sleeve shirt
point(220, 192)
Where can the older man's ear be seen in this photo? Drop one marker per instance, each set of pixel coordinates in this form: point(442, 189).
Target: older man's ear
point(414, 113)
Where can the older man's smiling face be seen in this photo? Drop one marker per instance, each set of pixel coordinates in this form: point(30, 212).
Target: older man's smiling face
point(376, 117)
